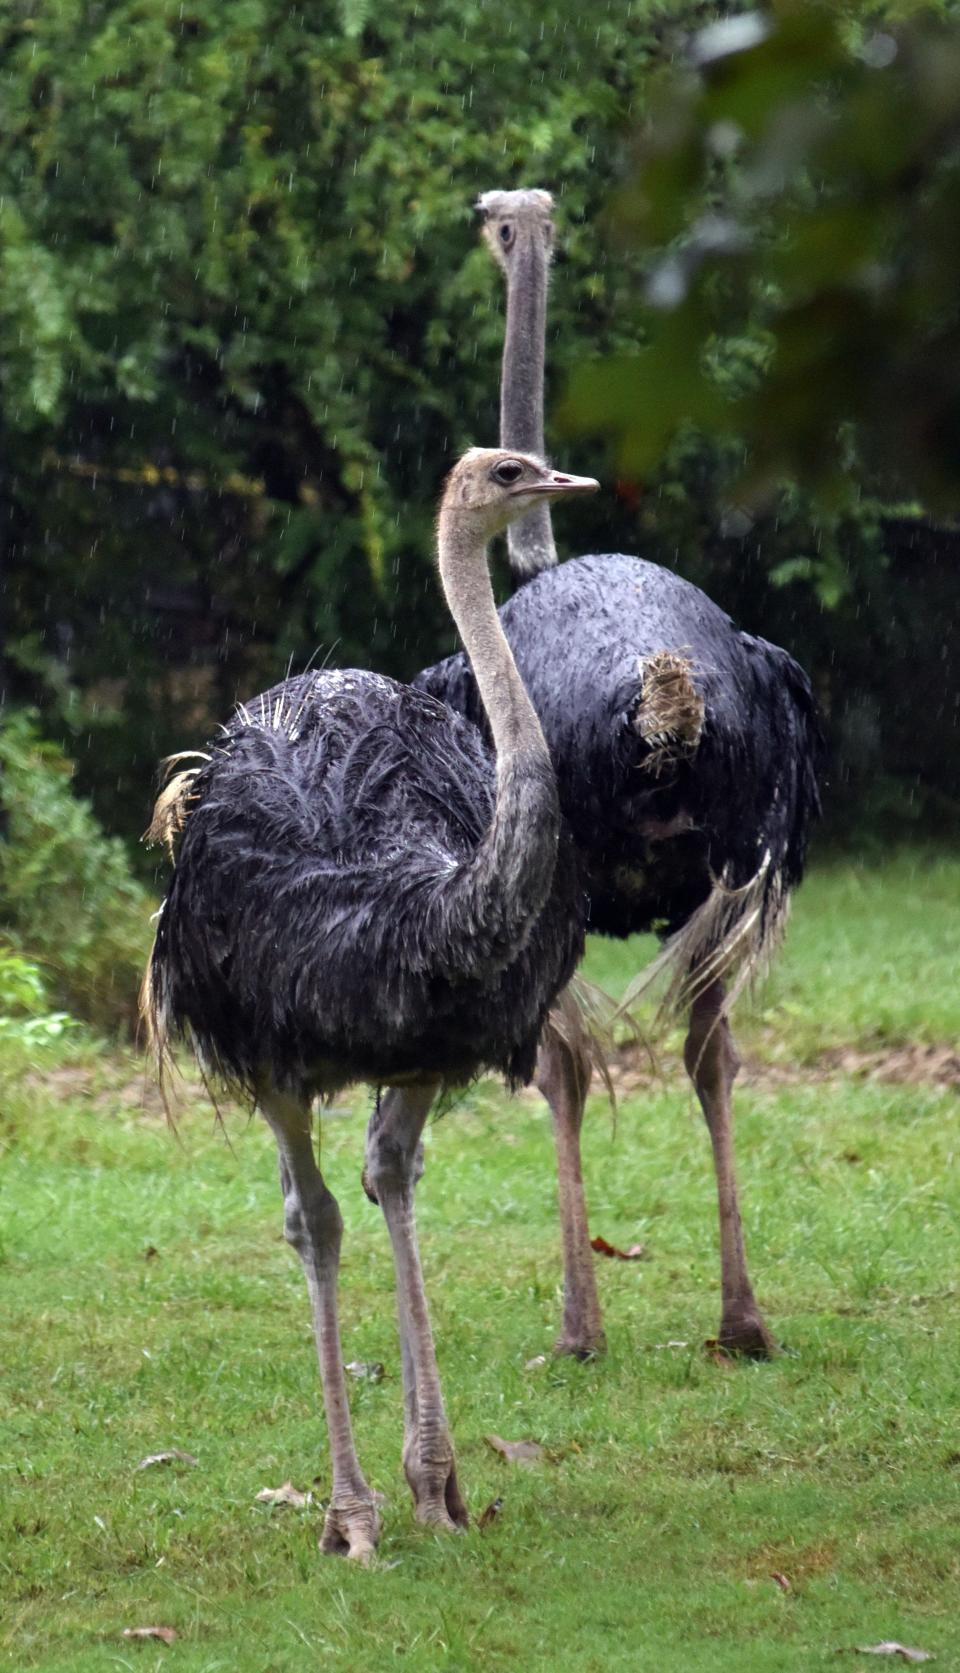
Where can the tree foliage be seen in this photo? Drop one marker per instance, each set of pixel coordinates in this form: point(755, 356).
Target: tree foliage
point(67, 896)
point(246, 326)
point(796, 191)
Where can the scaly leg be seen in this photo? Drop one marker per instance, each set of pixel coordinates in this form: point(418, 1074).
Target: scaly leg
point(712, 1063)
point(406, 1354)
point(313, 1226)
point(393, 1165)
point(563, 1076)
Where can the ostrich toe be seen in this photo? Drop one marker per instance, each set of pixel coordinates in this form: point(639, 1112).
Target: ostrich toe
point(351, 1531)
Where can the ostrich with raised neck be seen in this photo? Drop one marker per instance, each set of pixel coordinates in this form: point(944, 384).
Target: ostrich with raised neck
point(365, 890)
point(518, 228)
point(686, 755)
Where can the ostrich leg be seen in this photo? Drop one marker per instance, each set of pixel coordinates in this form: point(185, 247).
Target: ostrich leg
point(393, 1166)
point(563, 1076)
point(712, 1063)
point(313, 1226)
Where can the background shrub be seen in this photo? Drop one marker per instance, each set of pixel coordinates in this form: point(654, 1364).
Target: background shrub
point(68, 898)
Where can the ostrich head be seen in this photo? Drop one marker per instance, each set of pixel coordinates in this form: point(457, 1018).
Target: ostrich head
point(512, 219)
point(493, 486)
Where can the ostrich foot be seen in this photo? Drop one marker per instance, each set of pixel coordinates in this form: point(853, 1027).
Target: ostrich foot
point(351, 1530)
point(581, 1343)
point(437, 1500)
point(581, 1332)
point(442, 1507)
point(743, 1331)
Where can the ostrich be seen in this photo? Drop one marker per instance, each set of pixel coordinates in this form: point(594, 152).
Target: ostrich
point(686, 755)
point(364, 889)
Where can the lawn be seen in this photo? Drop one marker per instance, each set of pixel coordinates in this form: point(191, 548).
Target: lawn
point(688, 1513)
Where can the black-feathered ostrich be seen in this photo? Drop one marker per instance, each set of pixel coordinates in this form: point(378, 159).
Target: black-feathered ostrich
point(364, 889)
point(686, 756)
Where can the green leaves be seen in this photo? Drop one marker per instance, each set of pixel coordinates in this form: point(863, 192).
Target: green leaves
point(353, 16)
point(804, 189)
point(66, 893)
point(33, 324)
point(237, 245)
point(246, 325)
point(25, 1014)
point(21, 985)
point(642, 400)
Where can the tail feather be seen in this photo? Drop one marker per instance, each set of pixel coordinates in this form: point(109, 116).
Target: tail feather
point(155, 1023)
point(731, 937)
point(587, 1022)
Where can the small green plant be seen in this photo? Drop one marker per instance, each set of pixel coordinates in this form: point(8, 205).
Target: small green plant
point(25, 1014)
point(21, 984)
point(68, 898)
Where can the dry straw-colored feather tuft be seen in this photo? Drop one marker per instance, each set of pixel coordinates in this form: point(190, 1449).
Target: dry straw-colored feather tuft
point(669, 716)
point(172, 806)
point(170, 814)
point(587, 1021)
point(153, 1020)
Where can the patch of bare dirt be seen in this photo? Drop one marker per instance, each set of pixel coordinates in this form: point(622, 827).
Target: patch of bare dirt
point(117, 1085)
point(67, 1081)
point(109, 1085)
point(912, 1064)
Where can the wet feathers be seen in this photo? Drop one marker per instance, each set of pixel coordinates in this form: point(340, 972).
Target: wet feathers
point(316, 930)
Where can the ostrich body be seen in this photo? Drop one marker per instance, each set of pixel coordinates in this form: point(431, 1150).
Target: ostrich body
point(364, 889)
point(686, 756)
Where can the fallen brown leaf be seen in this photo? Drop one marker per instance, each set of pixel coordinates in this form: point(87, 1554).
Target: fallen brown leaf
point(150, 1253)
point(636, 1251)
point(165, 1634)
point(890, 1648)
point(516, 1452)
point(174, 1456)
point(490, 1514)
point(285, 1495)
point(717, 1355)
point(781, 1581)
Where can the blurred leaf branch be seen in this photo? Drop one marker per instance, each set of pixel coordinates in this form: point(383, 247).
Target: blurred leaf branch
point(795, 194)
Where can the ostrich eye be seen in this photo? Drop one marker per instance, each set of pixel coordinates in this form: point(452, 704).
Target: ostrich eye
point(506, 235)
point(510, 471)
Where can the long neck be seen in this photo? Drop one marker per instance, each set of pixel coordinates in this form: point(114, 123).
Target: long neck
point(530, 541)
point(498, 896)
point(465, 575)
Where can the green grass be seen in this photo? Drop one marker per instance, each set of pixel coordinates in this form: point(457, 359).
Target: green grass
point(675, 1486)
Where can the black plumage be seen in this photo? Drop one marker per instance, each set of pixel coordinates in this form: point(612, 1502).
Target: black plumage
point(657, 827)
point(686, 755)
point(315, 931)
point(367, 888)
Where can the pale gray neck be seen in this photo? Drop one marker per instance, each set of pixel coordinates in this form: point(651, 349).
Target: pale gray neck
point(529, 541)
point(490, 904)
point(465, 574)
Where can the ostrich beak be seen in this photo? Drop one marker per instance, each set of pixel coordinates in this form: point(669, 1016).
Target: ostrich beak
point(557, 483)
